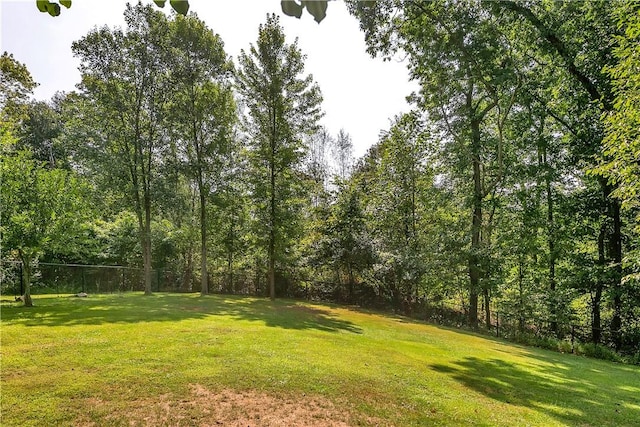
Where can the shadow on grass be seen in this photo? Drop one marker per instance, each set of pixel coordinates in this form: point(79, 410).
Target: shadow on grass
point(103, 309)
point(565, 391)
point(285, 314)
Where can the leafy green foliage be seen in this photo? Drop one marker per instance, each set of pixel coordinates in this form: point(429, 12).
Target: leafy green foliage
point(16, 84)
point(481, 200)
point(42, 208)
point(53, 8)
point(125, 79)
point(622, 143)
point(202, 114)
point(621, 156)
point(283, 106)
point(317, 8)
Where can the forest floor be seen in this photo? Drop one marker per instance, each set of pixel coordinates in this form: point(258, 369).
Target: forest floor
point(186, 360)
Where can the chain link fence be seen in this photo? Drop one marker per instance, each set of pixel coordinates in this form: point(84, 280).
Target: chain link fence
point(53, 278)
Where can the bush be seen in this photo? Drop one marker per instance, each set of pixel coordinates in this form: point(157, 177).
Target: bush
point(598, 351)
point(564, 346)
point(533, 340)
point(633, 359)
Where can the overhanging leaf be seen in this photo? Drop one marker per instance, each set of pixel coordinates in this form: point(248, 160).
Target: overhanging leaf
point(66, 3)
point(160, 3)
point(180, 6)
point(318, 8)
point(291, 8)
point(53, 9)
point(42, 5)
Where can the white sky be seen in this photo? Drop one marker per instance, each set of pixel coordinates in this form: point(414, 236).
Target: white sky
point(361, 94)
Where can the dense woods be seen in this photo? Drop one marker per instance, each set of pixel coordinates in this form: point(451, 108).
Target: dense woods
point(511, 189)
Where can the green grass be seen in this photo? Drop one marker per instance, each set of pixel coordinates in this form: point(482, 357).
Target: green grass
point(98, 360)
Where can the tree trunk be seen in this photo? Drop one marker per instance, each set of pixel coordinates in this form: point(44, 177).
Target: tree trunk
point(26, 277)
point(230, 286)
point(272, 239)
point(204, 290)
point(272, 273)
point(188, 271)
point(615, 255)
point(272, 207)
point(147, 243)
point(487, 307)
point(476, 224)
point(543, 163)
point(553, 309)
point(596, 324)
point(520, 296)
point(350, 283)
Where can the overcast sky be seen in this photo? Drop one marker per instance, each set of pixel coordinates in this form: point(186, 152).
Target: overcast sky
point(361, 94)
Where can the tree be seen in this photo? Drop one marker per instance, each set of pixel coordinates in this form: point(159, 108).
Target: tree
point(622, 142)
point(16, 85)
point(399, 205)
point(345, 244)
point(342, 152)
point(202, 112)
point(125, 79)
point(40, 130)
point(42, 209)
point(283, 105)
point(393, 194)
point(317, 164)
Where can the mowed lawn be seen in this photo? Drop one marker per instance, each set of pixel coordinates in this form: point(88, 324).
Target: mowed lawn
point(186, 360)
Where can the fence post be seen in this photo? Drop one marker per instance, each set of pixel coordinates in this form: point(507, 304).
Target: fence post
point(573, 334)
point(83, 279)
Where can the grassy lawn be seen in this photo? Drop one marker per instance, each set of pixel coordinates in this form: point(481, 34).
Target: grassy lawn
point(174, 359)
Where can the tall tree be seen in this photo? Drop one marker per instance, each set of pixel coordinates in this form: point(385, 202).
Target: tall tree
point(202, 112)
point(317, 164)
point(283, 105)
point(622, 142)
point(342, 152)
point(397, 207)
point(125, 78)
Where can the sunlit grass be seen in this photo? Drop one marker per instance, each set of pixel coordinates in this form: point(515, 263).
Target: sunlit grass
point(70, 359)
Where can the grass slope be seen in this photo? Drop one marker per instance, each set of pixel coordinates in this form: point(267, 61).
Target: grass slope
point(135, 360)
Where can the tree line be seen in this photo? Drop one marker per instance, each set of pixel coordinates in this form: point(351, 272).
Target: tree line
point(511, 186)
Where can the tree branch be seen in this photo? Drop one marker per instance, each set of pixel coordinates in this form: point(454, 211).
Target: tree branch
point(560, 48)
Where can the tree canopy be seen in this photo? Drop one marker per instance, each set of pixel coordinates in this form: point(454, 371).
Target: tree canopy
point(507, 197)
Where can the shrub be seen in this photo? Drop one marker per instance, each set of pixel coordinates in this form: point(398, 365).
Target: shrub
point(598, 351)
point(633, 359)
point(564, 346)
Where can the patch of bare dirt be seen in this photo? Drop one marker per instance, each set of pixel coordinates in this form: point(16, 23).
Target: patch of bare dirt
point(207, 408)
